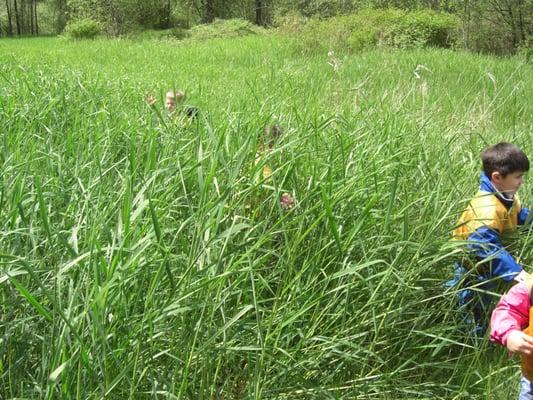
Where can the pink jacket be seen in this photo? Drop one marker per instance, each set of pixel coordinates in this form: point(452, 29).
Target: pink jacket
point(512, 312)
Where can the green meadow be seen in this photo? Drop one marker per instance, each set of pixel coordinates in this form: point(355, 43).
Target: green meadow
point(146, 256)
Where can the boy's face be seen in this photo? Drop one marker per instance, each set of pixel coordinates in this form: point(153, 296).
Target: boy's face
point(170, 104)
point(508, 184)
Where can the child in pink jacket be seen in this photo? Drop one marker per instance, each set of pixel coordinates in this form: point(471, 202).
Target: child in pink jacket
point(509, 318)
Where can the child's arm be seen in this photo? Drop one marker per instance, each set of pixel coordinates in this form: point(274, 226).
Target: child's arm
point(486, 244)
point(523, 216)
point(509, 317)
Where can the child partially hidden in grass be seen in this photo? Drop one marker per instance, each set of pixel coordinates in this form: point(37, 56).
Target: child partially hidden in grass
point(172, 98)
point(493, 212)
point(266, 142)
point(513, 313)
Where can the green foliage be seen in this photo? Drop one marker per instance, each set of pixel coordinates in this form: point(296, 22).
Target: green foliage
point(83, 29)
point(525, 50)
point(371, 27)
point(495, 27)
point(3, 23)
point(423, 28)
point(51, 19)
point(217, 29)
point(291, 22)
point(490, 38)
point(179, 33)
point(85, 9)
point(224, 29)
point(158, 34)
point(315, 8)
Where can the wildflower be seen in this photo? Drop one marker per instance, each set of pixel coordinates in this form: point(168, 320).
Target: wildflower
point(492, 78)
point(356, 103)
point(424, 88)
point(286, 201)
point(333, 61)
point(419, 68)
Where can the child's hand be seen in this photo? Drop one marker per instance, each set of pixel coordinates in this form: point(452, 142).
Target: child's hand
point(523, 276)
point(519, 342)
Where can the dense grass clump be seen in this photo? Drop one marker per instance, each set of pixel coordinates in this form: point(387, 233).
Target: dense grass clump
point(224, 28)
point(218, 29)
point(147, 255)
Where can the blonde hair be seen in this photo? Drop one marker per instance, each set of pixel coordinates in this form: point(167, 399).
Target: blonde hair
point(177, 95)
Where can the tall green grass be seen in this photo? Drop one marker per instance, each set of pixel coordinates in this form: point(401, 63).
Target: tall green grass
point(146, 257)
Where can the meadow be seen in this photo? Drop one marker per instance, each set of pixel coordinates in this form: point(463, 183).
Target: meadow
point(145, 256)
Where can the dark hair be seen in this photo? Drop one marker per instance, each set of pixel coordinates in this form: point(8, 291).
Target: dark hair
point(504, 158)
point(271, 134)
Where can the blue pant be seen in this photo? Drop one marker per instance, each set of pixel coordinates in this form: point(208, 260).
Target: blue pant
point(526, 389)
point(474, 305)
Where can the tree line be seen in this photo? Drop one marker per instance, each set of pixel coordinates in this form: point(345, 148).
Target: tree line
point(21, 17)
point(485, 22)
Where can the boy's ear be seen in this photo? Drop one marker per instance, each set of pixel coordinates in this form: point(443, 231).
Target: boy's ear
point(496, 176)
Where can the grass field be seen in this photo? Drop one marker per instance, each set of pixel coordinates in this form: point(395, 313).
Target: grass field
point(144, 256)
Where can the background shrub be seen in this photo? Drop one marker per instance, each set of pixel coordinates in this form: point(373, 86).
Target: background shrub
point(423, 28)
point(292, 22)
point(158, 34)
point(224, 29)
point(179, 33)
point(525, 50)
point(370, 27)
point(83, 29)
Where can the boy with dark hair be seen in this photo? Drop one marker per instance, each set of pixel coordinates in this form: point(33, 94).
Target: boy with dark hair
point(493, 211)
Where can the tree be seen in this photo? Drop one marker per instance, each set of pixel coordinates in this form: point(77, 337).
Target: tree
point(17, 17)
point(259, 12)
point(9, 23)
point(515, 14)
point(209, 10)
point(35, 17)
point(25, 14)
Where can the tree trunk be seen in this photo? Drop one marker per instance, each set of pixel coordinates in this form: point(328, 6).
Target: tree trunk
point(17, 16)
point(259, 13)
point(467, 20)
point(168, 13)
point(30, 4)
point(9, 23)
point(521, 22)
point(35, 17)
point(23, 24)
point(512, 22)
point(60, 7)
point(209, 8)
